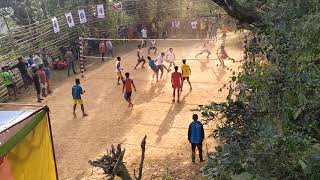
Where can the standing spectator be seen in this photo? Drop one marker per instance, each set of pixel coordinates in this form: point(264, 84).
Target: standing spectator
point(195, 137)
point(8, 81)
point(36, 81)
point(43, 81)
point(177, 26)
point(102, 49)
point(45, 57)
point(48, 76)
point(203, 27)
point(109, 48)
point(22, 67)
point(144, 37)
point(70, 61)
point(30, 60)
point(130, 32)
point(194, 24)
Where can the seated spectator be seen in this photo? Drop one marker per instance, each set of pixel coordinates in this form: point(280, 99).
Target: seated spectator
point(59, 64)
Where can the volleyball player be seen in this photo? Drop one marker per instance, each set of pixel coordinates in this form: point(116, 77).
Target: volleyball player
point(140, 58)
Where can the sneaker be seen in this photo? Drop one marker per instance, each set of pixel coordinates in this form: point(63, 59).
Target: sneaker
point(84, 115)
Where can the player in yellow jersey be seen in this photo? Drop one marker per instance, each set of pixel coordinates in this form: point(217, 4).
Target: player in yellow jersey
point(186, 72)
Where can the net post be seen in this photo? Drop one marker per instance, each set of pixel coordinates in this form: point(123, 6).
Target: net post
point(81, 57)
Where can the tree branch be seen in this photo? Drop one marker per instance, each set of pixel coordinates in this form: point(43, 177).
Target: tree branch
point(243, 14)
point(143, 150)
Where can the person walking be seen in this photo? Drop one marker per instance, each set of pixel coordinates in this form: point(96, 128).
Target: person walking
point(195, 137)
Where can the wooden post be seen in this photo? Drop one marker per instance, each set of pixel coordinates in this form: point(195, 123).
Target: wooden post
point(81, 57)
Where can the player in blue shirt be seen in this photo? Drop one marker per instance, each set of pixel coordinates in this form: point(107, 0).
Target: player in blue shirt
point(195, 137)
point(76, 94)
point(154, 67)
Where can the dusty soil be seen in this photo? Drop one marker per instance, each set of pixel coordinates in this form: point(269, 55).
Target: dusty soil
point(168, 152)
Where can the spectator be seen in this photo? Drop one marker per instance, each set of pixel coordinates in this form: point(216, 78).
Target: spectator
point(36, 81)
point(30, 61)
point(109, 48)
point(70, 61)
point(43, 80)
point(22, 67)
point(48, 76)
point(195, 137)
point(194, 27)
point(8, 81)
point(102, 49)
point(144, 37)
point(45, 57)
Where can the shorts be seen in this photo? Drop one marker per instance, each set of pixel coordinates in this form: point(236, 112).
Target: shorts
point(155, 69)
point(43, 85)
point(77, 101)
point(185, 78)
point(119, 75)
point(160, 67)
point(176, 86)
point(127, 95)
point(140, 60)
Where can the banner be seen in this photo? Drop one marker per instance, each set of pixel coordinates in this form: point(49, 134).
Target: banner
point(117, 7)
point(55, 25)
point(100, 11)
point(32, 157)
point(82, 16)
point(69, 19)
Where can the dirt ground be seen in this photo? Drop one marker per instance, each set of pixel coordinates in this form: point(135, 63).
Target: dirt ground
point(168, 152)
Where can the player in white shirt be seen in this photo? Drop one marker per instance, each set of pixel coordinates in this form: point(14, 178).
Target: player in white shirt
point(160, 65)
point(140, 58)
point(171, 57)
point(152, 46)
point(144, 35)
point(194, 24)
point(119, 70)
point(205, 49)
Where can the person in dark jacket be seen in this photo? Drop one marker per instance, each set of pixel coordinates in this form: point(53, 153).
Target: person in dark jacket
point(195, 137)
point(22, 67)
point(36, 80)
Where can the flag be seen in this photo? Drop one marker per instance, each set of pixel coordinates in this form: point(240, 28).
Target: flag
point(55, 24)
point(69, 19)
point(82, 16)
point(100, 11)
point(117, 7)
